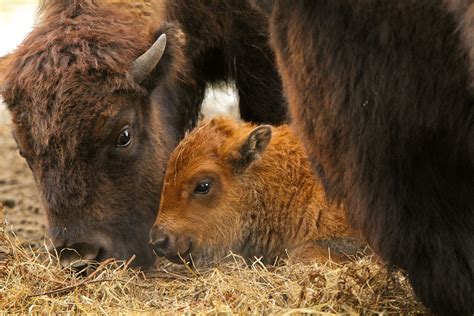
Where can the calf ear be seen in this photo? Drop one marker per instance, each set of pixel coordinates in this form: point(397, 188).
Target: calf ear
point(251, 149)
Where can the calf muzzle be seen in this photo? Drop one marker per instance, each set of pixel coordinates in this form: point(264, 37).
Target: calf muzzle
point(166, 244)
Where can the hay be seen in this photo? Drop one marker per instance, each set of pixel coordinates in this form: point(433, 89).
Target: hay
point(33, 282)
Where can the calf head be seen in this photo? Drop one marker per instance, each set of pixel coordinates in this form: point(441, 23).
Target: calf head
point(79, 93)
point(207, 191)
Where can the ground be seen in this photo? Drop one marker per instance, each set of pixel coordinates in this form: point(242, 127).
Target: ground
point(18, 192)
point(32, 281)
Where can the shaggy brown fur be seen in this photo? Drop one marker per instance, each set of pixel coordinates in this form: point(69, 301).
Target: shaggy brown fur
point(381, 93)
point(70, 90)
point(263, 201)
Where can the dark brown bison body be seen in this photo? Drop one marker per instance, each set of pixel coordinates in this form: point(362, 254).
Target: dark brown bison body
point(97, 130)
point(380, 93)
point(228, 40)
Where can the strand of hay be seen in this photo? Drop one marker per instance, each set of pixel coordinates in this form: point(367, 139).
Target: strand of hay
point(33, 282)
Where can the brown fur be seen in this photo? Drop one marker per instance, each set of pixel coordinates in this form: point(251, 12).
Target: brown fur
point(381, 93)
point(264, 202)
point(70, 91)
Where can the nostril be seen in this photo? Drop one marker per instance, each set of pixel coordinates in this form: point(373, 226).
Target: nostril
point(54, 250)
point(101, 255)
point(190, 245)
point(161, 242)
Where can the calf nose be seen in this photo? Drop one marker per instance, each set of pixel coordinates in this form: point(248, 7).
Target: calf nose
point(160, 241)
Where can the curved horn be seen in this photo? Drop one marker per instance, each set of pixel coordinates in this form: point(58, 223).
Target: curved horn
point(144, 65)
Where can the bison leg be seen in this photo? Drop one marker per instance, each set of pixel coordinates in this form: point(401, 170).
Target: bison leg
point(260, 93)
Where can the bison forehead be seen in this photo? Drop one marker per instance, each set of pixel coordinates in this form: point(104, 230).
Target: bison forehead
point(64, 120)
point(61, 75)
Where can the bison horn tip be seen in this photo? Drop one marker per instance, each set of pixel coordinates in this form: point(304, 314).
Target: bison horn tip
point(144, 65)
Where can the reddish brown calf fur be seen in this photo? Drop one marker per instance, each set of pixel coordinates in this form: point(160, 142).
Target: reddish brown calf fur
point(262, 200)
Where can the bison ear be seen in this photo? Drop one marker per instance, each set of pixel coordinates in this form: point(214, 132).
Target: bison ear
point(253, 146)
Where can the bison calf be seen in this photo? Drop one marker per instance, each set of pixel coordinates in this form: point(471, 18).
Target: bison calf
point(248, 189)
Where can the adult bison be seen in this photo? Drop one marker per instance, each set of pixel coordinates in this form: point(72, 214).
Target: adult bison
point(380, 92)
point(96, 112)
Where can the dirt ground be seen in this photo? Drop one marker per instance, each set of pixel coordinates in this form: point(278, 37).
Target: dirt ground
point(28, 281)
point(18, 192)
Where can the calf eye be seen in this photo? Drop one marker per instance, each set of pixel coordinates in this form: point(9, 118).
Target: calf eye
point(125, 138)
point(203, 187)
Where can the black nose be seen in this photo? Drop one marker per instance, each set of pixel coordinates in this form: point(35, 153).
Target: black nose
point(79, 255)
point(160, 241)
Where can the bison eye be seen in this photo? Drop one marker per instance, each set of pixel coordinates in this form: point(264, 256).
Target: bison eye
point(125, 138)
point(203, 187)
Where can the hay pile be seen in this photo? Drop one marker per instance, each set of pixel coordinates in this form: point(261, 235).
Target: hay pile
point(32, 281)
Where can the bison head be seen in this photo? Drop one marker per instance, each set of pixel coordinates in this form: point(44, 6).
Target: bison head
point(94, 135)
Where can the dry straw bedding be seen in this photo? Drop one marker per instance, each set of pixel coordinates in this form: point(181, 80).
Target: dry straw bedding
point(33, 282)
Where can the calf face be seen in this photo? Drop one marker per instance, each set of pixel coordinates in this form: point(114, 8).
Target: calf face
point(200, 212)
